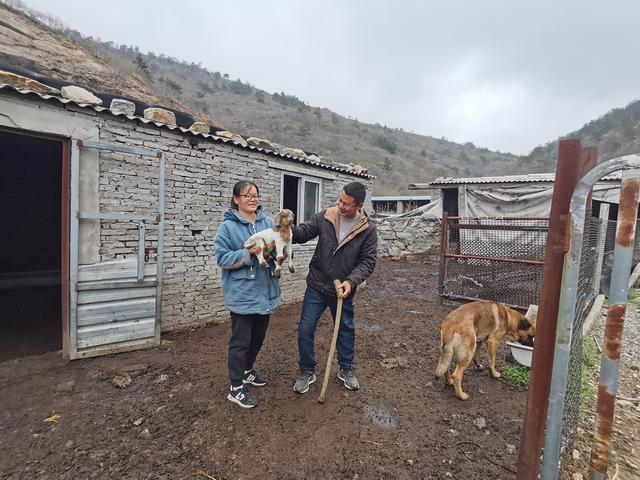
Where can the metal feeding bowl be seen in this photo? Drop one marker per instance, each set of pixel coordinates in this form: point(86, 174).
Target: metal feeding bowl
point(521, 353)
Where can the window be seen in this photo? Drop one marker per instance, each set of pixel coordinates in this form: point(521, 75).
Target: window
point(301, 195)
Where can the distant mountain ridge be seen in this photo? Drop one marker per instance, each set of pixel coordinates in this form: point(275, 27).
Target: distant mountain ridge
point(41, 43)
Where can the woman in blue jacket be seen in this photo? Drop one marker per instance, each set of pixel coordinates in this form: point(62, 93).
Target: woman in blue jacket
point(250, 291)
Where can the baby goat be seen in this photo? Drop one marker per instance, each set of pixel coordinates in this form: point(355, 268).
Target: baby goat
point(278, 238)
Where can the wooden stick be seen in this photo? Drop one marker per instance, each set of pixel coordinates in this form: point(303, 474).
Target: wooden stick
point(628, 399)
point(597, 344)
point(334, 339)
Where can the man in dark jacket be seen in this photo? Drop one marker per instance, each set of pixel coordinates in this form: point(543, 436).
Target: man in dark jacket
point(347, 250)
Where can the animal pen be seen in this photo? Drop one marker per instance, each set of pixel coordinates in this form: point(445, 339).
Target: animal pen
point(503, 259)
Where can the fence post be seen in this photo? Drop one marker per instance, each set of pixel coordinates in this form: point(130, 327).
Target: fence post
point(619, 291)
point(568, 173)
point(444, 239)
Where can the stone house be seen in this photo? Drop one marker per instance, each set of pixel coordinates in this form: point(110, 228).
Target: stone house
point(85, 191)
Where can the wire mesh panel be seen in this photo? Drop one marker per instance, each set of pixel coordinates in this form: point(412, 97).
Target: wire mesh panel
point(586, 294)
point(500, 259)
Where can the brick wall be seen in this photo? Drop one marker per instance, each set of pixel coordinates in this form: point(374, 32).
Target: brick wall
point(198, 184)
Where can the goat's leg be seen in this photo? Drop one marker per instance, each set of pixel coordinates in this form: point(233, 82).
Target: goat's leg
point(260, 254)
point(290, 258)
point(279, 259)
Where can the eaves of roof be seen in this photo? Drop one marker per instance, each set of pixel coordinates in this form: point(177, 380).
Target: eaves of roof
point(185, 131)
point(528, 178)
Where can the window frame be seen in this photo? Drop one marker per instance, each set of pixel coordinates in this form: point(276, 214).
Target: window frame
point(302, 178)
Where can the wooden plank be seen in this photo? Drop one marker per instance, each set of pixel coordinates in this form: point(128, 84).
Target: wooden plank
point(109, 295)
point(119, 264)
point(113, 312)
point(115, 263)
point(104, 319)
point(93, 335)
point(117, 284)
point(119, 347)
point(112, 274)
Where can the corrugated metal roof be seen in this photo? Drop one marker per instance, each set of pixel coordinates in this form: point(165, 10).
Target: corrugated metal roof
point(533, 177)
point(527, 178)
point(66, 101)
point(396, 198)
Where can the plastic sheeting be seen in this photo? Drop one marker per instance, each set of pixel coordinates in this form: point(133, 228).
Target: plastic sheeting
point(520, 200)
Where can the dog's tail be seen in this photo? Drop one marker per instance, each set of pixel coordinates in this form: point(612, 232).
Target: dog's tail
point(446, 355)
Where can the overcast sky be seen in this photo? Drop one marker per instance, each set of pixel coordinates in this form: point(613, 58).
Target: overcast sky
point(508, 75)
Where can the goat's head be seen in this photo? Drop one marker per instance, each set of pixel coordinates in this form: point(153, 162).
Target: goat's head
point(285, 218)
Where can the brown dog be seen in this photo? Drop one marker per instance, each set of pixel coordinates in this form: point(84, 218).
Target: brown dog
point(464, 329)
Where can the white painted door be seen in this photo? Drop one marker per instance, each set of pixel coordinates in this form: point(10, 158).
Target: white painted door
point(115, 305)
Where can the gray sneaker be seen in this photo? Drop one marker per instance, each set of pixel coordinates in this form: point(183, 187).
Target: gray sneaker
point(303, 382)
point(241, 396)
point(349, 379)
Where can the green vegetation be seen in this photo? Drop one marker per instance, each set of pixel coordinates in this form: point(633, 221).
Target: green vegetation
point(518, 376)
point(590, 354)
point(385, 143)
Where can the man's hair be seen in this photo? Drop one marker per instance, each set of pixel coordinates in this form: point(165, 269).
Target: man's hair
point(356, 190)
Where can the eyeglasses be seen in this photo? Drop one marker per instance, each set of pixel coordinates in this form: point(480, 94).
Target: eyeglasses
point(348, 205)
point(250, 196)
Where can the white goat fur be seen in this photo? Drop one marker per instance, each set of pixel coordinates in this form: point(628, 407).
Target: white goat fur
point(278, 238)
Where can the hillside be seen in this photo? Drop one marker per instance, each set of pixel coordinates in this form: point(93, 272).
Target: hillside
point(615, 134)
point(41, 43)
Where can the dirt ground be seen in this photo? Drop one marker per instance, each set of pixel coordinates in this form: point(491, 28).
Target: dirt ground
point(172, 421)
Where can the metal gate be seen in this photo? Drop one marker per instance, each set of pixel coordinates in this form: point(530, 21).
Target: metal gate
point(115, 305)
point(568, 315)
point(498, 259)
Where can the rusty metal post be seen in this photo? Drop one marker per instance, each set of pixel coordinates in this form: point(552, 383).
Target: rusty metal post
point(609, 368)
point(566, 311)
point(444, 239)
point(568, 173)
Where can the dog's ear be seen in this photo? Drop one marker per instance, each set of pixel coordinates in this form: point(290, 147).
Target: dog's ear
point(278, 218)
point(524, 324)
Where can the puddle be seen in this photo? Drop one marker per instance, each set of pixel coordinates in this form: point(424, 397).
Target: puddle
point(379, 416)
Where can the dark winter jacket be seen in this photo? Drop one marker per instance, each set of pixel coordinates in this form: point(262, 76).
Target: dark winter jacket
point(353, 259)
point(247, 287)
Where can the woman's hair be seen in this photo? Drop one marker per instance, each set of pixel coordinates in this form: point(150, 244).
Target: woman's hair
point(237, 191)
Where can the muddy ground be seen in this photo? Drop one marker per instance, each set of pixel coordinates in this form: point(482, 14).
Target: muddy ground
point(173, 420)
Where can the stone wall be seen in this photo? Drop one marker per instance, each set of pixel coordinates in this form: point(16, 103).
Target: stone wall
point(400, 237)
point(200, 174)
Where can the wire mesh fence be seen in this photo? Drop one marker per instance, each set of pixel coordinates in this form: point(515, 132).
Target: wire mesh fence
point(502, 259)
point(587, 291)
point(499, 259)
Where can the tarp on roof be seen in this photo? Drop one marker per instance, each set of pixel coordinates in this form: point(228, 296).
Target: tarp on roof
point(508, 200)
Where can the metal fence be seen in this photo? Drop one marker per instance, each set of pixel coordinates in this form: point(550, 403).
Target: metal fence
point(557, 421)
point(502, 259)
point(593, 248)
point(499, 259)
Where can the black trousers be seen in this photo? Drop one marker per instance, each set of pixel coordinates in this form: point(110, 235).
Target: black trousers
point(247, 335)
